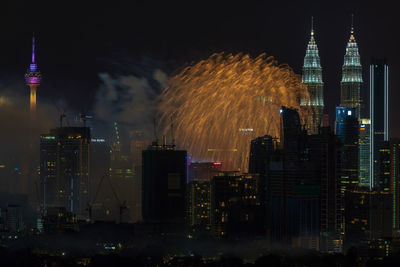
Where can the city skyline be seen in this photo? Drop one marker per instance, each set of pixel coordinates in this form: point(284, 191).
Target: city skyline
point(145, 52)
point(226, 125)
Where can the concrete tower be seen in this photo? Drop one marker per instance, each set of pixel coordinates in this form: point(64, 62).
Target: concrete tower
point(32, 79)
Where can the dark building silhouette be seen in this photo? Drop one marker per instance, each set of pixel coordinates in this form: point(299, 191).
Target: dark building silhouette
point(64, 169)
point(325, 155)
point(292, 188)
point(379, 103)
point(236, 211)
point(164, 184)
point(368, 217)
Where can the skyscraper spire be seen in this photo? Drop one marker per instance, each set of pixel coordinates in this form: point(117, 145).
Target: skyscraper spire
point(351, 76)
point(312, 78)
point(312, 25)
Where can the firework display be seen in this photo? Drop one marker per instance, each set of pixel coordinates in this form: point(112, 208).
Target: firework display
point(219, 104)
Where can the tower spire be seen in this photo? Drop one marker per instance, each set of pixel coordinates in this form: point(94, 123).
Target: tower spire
point(33, 48)
point(352, 23)
point(312, 25)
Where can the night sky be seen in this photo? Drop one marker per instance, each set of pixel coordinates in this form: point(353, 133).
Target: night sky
point(78, 40)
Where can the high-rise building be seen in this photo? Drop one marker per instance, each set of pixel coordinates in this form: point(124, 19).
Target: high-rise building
point(352, 77)
point(236, 210)
point(164, 184)
point(312, 78)
point(379, 95)
point(347, 129)
point(32, 79)
point(368, 216)
point(325, 156)
point(64, 169)
point(198, 215)
point(365, 153)
point(389, 177)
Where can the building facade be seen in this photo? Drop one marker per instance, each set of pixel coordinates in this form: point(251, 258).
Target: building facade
point(164, 177)
point(312, 79)
point(379, 102)
point(352, 77)
point(64, 169)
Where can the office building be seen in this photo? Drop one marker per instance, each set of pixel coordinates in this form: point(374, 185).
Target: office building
point(365, 153)
point(347, 129)
point(236, 211)
point(379, 102)
point(64, 169)
point(164, 177)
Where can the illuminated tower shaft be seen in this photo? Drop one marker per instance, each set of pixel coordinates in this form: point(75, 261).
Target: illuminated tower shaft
point(351, 77)
point(312, 78)
point(32, 79)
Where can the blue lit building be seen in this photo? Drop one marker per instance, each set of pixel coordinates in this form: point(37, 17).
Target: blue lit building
point(312, 78)
point(347, 129)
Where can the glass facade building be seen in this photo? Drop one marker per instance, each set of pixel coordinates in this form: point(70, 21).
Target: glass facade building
point(379, 95)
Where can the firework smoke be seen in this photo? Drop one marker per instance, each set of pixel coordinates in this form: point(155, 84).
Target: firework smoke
point(218, 105)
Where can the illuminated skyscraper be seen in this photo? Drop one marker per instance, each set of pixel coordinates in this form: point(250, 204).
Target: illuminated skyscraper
point(379, 95)
point(312, 78)
point(32, 79)
point(351, 77)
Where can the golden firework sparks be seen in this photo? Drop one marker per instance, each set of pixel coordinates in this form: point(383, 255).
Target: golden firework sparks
point(219, 104)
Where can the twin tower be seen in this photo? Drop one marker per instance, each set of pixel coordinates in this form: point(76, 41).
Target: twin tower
point(312, 77)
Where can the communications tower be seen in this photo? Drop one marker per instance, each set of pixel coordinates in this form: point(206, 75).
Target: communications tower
point(32, 79)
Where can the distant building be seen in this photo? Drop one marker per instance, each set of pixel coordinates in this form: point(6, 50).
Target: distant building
point(325, 156)
point(164, 184)
point(64, 169)
point(235, 206)
point(368, 217)
point(199, 206)
point(138, 143)
point(59, 219)
point(389, 177)
point(379, 109)
point(365, 153)
point(203, 171)
point(11, 219)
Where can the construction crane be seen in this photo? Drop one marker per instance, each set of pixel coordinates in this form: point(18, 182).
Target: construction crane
point(122, 205)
